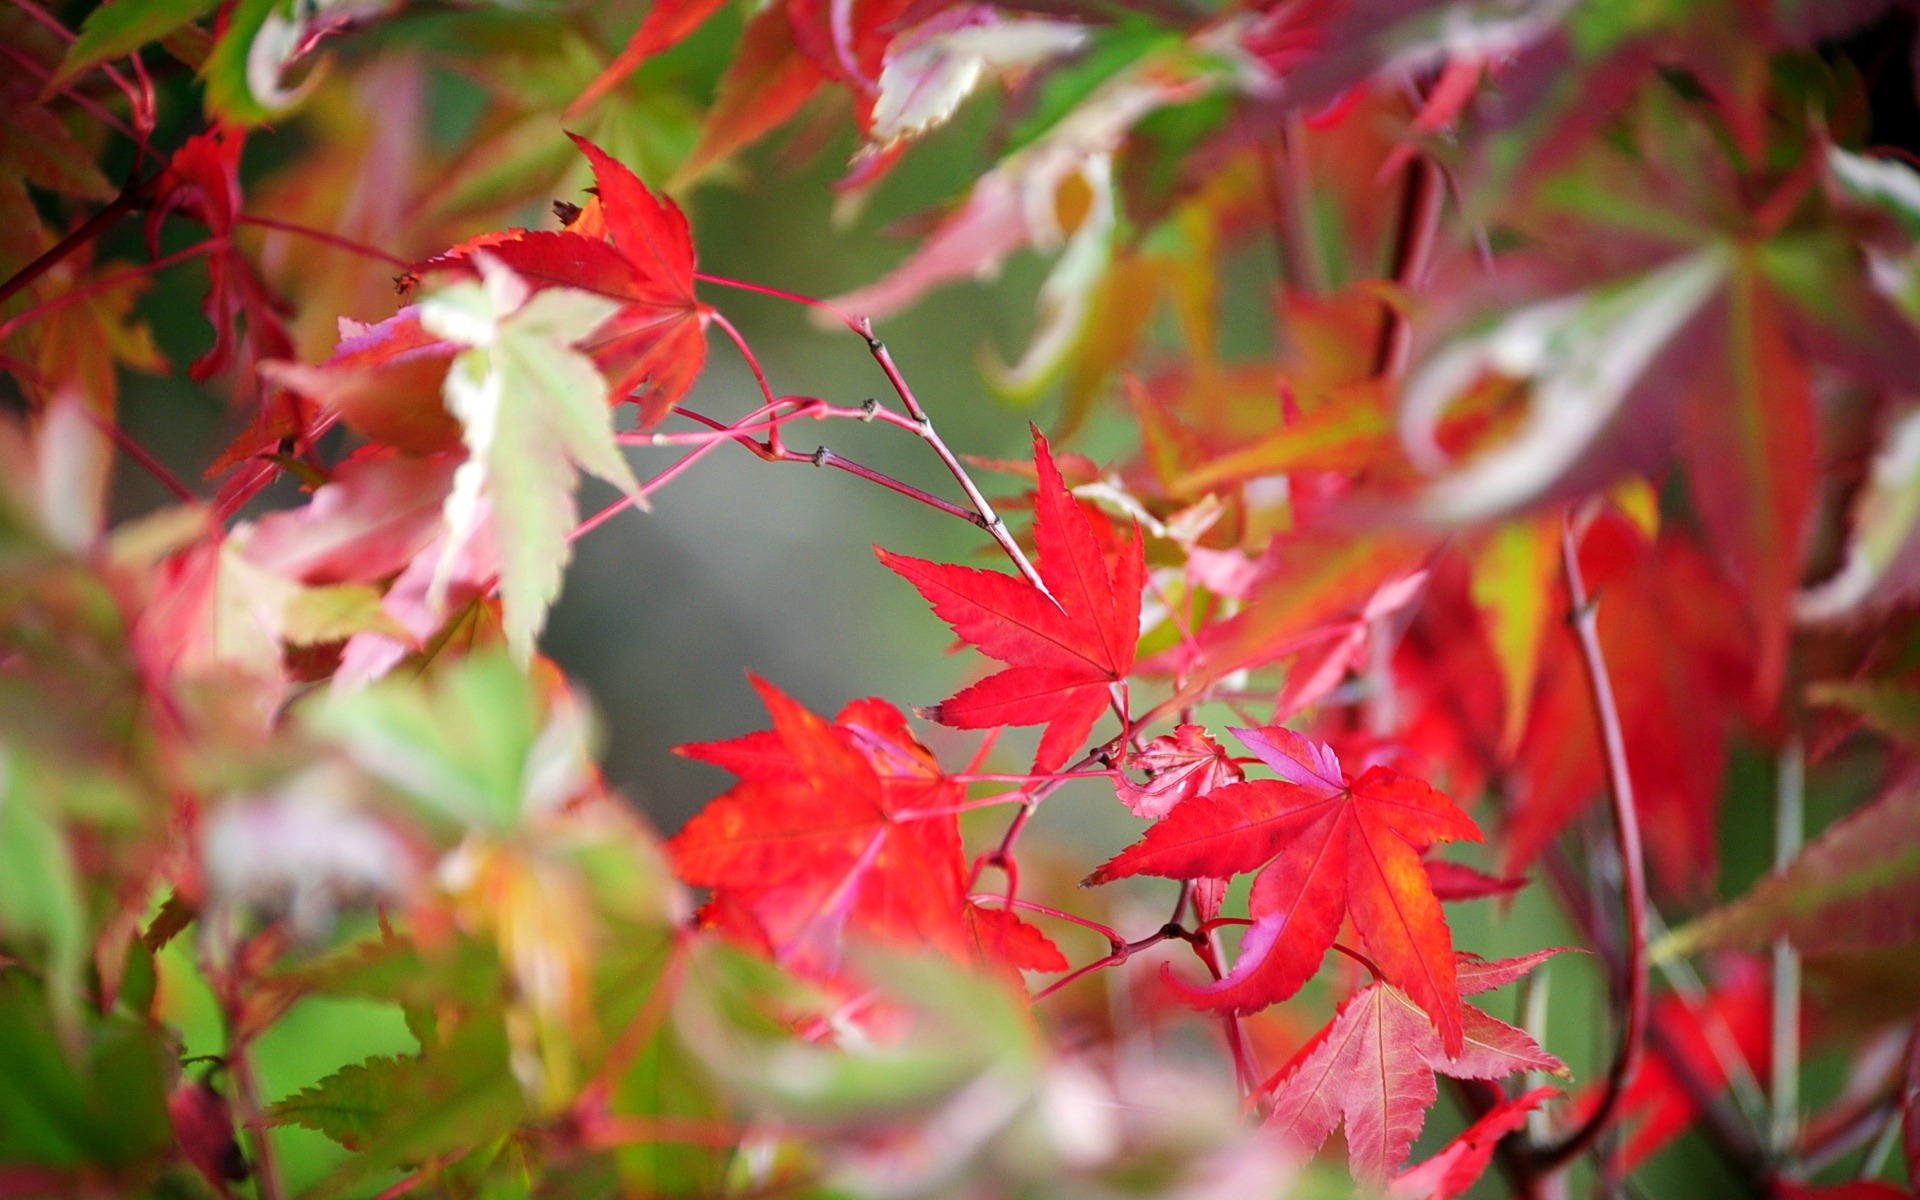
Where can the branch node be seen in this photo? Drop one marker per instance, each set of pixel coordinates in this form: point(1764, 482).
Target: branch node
point(820, 456)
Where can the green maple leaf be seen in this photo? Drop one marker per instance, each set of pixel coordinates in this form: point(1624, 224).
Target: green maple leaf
point(532, 409)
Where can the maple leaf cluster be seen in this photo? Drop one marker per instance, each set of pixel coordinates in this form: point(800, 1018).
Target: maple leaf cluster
point(1507, 501)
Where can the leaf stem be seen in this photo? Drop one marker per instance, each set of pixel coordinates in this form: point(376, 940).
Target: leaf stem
point(753, 364)
point(338, 242)
point(762, 289)
point(140, 454)
point(992, 777)
point(1626, 823)
point(1413, 239)
point(1246, 1069)
point(1105, 931)
point(965, 806)
point(131, 197)
point(1122, 951)
point(52, 257)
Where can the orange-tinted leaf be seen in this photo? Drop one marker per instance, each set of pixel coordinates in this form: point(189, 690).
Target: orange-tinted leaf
point(386, 381)
point(1514, 571)
point(767, 82)
point(1679, 667)
point(832, 828)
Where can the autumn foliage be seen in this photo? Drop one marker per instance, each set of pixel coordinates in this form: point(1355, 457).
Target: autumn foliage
point(1461, 586)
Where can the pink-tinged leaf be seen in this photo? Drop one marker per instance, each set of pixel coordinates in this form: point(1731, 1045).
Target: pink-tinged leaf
point(203, 1126)
point(1310, 586)
point(1179, 767)
point(767, 82)
point(1458, 1167)
point(1373, 1070)
point(1294, 758)
point(973, 240)
point(368, 523)
point(1451, 881)
point(1751, 443)
point(1315, 672)
point(1476, 974)
point(1855, 887)
point(386, 381)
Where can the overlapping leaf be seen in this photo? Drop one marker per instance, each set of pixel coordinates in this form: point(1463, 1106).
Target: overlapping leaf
point(833, 829)
point(1182, 765)
point(1333, 847)
point(1063, 647)
point(1855, 887)
point(1373, 1069)
point(634, 249)
point(530, 407)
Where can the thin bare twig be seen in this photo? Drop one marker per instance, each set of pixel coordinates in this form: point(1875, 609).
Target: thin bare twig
point(992, 522)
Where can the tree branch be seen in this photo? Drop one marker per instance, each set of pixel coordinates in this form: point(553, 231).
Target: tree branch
point(1626, 823)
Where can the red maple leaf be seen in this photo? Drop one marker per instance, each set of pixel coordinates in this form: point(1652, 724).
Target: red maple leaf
point(633, 247)
point(1186, 764)
point(1001, 938)
point(833, 828)
point(1062, 650)
point(202, 181)
point(1459, 1166)
point(1373, 1067)
point(1332, 846)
